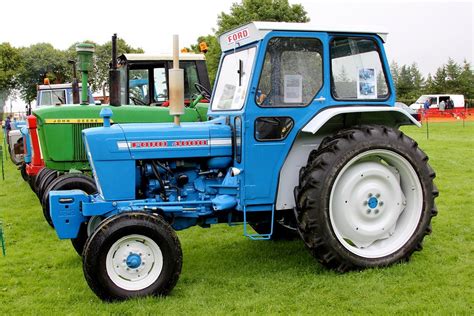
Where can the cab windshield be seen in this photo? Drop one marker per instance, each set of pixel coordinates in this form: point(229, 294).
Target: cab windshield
point(421, 99)
point(233, 82)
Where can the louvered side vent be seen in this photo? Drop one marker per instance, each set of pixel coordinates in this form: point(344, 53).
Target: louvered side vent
point(79, 150)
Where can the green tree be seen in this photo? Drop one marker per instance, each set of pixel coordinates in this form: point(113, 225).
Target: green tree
point(418, 81)
point(404, 82)
point(453, 71)
point(466, 81)
point(10, 65)
point(429, 85)
point(439, 80)
point(395, 71)
point(103, 58)
point(245, 12)
point(212, 55)
point(41, 61)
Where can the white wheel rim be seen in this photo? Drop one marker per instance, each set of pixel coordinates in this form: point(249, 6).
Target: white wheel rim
point(376, 203)
point(134, 262)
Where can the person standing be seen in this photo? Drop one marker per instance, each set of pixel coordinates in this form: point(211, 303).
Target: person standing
point(442, 106)
point(426, 105)
point(449, 104)
point(8, 127)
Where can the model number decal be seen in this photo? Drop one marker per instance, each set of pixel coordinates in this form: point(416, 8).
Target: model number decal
point(146, 144)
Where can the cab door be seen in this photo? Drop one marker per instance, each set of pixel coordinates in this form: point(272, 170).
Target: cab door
point(287, 90)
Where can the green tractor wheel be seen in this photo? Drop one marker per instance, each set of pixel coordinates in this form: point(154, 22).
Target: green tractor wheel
point(71, 181)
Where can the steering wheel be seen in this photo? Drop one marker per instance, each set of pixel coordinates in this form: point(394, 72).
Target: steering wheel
point(137, 101)
point(203, 91)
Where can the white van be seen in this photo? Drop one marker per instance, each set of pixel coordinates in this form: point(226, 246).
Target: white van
point(435, 99)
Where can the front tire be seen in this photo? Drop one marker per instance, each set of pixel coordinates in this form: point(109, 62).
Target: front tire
point(132, 254)
point(365, 199)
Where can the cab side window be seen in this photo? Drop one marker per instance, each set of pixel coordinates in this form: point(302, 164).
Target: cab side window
point(356, 70)
point(292, 72)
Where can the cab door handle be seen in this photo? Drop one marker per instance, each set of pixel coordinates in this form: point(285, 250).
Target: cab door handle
point(320, 99)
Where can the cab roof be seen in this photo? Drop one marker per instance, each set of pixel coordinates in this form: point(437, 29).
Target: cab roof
point(160, 57)
point(255, 31)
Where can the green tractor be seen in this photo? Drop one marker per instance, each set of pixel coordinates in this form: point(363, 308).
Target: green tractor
point(138, 94)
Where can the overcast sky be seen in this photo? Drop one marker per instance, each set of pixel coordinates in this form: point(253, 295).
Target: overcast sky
point(425, 32)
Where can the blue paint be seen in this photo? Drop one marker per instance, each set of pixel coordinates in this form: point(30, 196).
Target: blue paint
point(184, 172)
point(373, 202)
point(134, 261)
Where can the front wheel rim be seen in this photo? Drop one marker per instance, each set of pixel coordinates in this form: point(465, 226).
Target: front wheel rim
point(376, 203)
point(134, 262)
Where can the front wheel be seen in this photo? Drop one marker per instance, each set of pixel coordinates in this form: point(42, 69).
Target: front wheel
point(365, 199)
point(132, 254)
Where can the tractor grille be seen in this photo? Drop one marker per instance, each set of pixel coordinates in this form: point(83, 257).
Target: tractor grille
point(79, 150)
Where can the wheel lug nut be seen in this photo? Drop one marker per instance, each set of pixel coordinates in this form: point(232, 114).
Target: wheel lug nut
point(376, 211)
point(365, 203)
point(370, 195)
point(377, 195)
point(369, 211)
point(381, 203)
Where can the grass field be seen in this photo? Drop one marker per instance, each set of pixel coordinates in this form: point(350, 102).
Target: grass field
point(224, 272)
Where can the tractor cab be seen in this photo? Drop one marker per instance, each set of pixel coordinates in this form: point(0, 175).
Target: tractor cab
point(144, 78)
point(303, 142)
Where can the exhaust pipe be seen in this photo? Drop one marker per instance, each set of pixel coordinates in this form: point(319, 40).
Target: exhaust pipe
point(114, 76)
point(176, 85)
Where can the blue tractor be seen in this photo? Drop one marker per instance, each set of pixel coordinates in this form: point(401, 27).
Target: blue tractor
point(291, 149)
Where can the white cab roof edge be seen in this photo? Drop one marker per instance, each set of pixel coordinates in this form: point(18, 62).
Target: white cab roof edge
point(257, 30)
point(165, 57)
point(324, 116)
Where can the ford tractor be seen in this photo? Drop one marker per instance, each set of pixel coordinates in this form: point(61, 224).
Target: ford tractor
point(58, 159)
point(293, 148)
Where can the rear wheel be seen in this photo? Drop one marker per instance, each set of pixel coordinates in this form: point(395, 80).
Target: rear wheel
point(366, 199)
point(38, 177)
point(24, 175)
point(46, 178)
point(132, 255)
point(71, 181)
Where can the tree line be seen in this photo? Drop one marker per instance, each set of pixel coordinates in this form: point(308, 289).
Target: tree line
point(452, 78)
point(23, 68)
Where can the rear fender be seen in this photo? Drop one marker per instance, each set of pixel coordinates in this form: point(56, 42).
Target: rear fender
point(326, 123)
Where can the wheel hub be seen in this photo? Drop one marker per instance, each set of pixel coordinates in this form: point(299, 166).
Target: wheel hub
point(373, 202)
point(134, 260)
point(378, 187)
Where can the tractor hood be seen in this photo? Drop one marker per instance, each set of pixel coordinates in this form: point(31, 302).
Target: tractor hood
point(113, 151)
point(159, 141)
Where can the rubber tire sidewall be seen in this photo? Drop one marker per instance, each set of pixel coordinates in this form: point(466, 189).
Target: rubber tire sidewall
point(405, 149)
point(118, 226)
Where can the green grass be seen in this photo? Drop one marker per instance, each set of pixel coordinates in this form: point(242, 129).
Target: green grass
point(224, 272)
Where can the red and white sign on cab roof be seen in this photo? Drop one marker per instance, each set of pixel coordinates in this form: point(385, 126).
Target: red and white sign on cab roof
point(256, 31)
point(237, 36)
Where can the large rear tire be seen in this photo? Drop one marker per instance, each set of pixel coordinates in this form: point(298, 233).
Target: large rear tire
point(71, 181)
point(46, 178)
point(132, 254)
point(365, 199)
